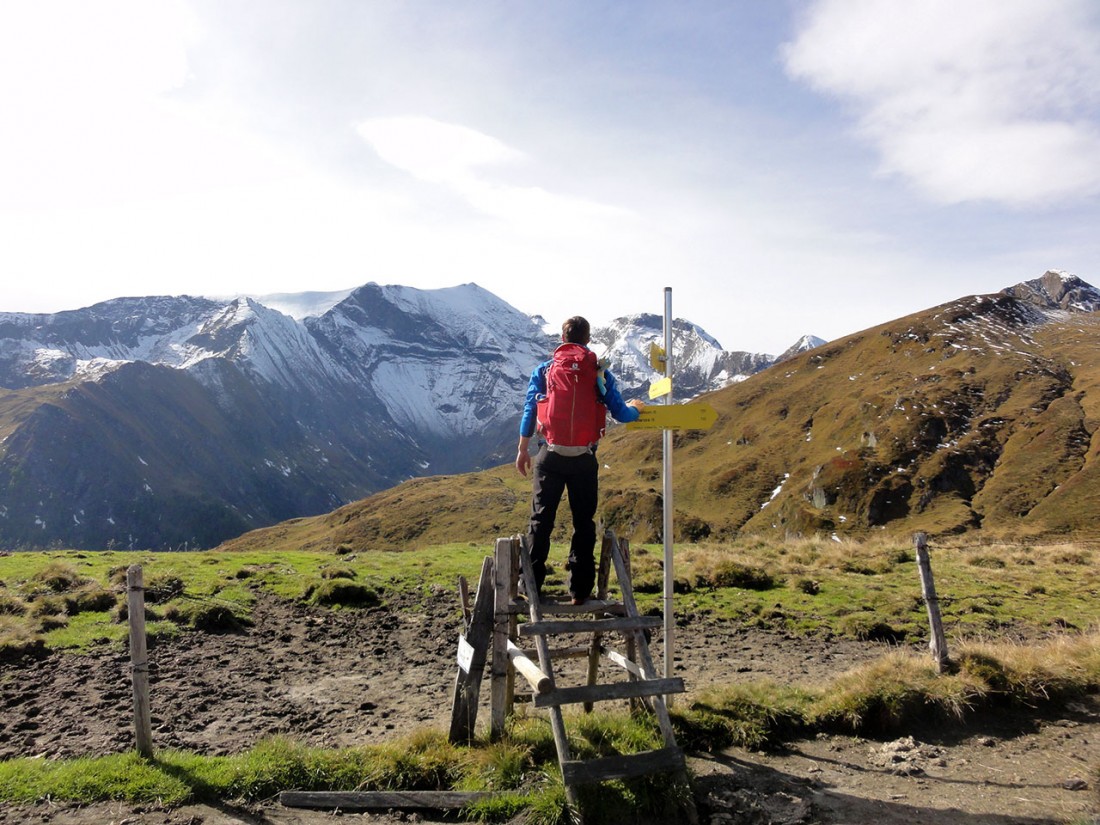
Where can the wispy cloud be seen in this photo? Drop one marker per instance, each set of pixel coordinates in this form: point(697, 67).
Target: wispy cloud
point(993, 100)
point(471, 164)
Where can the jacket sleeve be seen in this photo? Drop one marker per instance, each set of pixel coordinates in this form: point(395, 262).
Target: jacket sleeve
point(619, 409)
point(536, 388)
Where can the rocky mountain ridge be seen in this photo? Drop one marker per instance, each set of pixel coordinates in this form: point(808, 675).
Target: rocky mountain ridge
point(180, 421)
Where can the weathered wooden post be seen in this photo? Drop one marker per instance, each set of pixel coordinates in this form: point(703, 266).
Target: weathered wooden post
point(473, 648)
point(139, 660)
point(938, 642)
point(498, 682)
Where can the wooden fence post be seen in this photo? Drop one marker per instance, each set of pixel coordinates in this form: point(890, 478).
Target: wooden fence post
point(498, 682)
point(938, 642)
point(478, 637)
point(139, 660)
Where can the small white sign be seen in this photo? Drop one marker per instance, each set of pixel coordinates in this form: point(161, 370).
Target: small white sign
point(465, 654)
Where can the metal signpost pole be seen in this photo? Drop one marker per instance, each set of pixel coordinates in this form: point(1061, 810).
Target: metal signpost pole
point(666, 449)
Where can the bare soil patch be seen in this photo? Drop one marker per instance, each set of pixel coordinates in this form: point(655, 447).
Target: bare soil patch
point(352, 677)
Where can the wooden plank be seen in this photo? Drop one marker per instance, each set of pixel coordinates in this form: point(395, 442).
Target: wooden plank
point(540, 628)
point(664, 760)
point(380, 800)
point(611, 606)
point(464, 602)
point(559, 652)
point(626, 664)
point(502, 562)
point(595, 648)
point(467, 690)
point(557, 722)
point(605, 693)
point(539, 681)
point(568, 652)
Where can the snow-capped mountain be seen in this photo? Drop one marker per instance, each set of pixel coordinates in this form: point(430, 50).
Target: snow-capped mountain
point(699, 362)
point(170, 421)
point(803, 344)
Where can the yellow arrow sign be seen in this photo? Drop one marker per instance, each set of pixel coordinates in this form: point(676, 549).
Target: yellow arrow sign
point(657, 357)
point(697, 416)
point(660, 387)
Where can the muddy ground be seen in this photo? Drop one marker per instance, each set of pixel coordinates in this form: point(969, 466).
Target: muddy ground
point(356, 677)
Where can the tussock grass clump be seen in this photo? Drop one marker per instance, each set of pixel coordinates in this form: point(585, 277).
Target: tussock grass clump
point(869, 628)
point(1064, 667)
point(337, 573)
point(211, 617)
point(162, 588)
point(89, 598)
point(17, 639)
point(736, 574)
point(897, 690)
point(755, 716)
point(647, 571)
point(900, 690)
point(11, 605)
point(55, 577)
point(341, 592)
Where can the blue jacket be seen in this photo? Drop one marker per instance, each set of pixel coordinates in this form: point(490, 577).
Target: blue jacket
point(536, 389)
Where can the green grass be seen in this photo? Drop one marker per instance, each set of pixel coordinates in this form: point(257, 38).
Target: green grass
point(72, 600)
point(867, 590)
point(421, 761)
point(873, 590)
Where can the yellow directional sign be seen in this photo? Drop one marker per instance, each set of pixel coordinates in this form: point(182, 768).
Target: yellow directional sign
point(657, 357)
point(660, 387)
point(697, 416)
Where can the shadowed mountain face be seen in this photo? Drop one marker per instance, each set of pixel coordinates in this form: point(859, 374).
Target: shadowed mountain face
point(180, 422)
point(978, 415)
point(171, 422)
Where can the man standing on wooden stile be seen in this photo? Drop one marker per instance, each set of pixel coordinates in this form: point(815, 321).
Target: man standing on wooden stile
point(568, 398)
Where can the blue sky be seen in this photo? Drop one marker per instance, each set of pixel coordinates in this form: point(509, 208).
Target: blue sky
point(787, 167)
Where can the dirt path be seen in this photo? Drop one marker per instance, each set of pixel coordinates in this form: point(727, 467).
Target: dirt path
point(355, 677)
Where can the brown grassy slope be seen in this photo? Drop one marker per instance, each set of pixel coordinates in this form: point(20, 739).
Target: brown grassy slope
point(977, 414)
point(967, 415)
point(417, 513)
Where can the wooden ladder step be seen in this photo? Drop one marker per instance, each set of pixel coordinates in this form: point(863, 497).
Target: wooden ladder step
point(546, 628)
point(609, 692)
point(590, 606)
point(664, 760)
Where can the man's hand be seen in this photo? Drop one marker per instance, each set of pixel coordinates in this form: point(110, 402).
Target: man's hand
point(636, 403)
point(523, 456)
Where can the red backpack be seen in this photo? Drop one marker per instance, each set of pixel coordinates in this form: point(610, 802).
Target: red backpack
point(571, 414)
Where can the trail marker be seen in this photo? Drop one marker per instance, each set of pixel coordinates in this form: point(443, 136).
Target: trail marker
point(657, 357)
point(697, 416)
point(660, 387)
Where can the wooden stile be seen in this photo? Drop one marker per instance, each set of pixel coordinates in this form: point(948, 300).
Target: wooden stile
point(599, 617)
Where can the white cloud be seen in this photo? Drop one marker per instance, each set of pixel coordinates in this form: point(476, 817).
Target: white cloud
point(470, 164)
point(991, 100)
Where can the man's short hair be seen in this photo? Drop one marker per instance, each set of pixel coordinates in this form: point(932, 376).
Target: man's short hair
point(576, 330)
